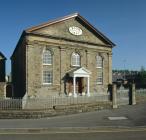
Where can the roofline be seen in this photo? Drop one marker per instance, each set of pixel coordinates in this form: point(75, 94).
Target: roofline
point(66, 18)
point(101, 34)
point(50, 22)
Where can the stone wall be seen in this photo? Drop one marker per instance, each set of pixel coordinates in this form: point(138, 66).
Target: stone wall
point(35, 84)
point(62, 51)
point(57, 111)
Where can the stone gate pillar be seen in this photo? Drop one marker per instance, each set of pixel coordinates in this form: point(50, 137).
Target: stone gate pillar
point(132, 99)
point(114, 96)
point(133, 95)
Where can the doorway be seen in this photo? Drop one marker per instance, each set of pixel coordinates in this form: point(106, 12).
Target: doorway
point(79, 85)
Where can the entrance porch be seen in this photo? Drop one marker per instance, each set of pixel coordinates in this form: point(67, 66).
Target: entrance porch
point(78, 82)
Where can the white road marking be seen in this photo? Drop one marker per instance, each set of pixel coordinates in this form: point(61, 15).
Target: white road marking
point(117, 118)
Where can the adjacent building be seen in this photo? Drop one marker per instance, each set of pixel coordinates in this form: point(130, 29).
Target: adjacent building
point(2, 75)
point(66, 56)
point(2, 67)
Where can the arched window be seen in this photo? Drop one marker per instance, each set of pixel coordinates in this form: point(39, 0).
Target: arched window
point(47, 73)
point(47, 57)
point(99, 65)
point(99, 61)
point(75, 59)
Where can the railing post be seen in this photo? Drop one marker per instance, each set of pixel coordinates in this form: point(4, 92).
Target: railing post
point(114, 96)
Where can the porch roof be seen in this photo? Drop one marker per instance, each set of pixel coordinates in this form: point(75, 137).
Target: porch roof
point(79, 72)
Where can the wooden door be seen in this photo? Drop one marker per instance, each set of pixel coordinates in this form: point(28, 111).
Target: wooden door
point(80, 79)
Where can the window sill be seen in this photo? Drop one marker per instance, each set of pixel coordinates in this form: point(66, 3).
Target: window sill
point(99, 83)
point(75, 65)
point(47, 84)
point(47, 64)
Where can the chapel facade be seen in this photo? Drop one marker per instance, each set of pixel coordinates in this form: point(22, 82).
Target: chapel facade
point(66, 56)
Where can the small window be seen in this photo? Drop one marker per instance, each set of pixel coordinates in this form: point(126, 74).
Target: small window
point(99, 61)
point(75, 60)
point(47, 57)
point(47, 77)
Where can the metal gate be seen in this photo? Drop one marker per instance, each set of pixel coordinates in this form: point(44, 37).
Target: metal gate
point(123, 96)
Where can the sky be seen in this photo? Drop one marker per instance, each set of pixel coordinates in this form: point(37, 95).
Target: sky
point(122, 21)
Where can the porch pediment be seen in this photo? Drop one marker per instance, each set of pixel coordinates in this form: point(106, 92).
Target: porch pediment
point(79, 72)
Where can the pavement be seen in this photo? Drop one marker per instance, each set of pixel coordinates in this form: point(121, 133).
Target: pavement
point(124, 118)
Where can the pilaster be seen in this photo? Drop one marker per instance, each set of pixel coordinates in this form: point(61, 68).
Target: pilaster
point(62, 69)
point(110, 68)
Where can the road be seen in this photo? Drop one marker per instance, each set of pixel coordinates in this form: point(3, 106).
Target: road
point(134, 135)
point(136, 116)
point(83, 126)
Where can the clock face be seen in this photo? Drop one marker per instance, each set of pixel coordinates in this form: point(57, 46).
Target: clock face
point(75, 30)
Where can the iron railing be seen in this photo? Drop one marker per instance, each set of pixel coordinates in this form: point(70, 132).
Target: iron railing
point(123, 96)
point(141, 92)
point(50, 102)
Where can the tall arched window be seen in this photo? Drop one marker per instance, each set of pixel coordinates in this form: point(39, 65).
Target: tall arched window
point(99, 61)
point(75, 59)
point(47, 57)
point(47, 75)
point(99, 65)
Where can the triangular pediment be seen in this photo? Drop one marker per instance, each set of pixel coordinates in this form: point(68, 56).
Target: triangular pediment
point(73, 28)
point(82, 70)
point(79, 72)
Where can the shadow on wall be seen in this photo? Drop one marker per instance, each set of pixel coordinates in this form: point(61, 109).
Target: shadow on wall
point(110, 91)
point(9, 90)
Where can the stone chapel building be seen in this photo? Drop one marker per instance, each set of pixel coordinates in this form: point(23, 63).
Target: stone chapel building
point(66, 56)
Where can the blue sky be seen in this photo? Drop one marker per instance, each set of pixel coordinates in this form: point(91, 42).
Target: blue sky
point(123, 21)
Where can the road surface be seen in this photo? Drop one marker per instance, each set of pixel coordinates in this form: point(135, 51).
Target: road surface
point(134, 135)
